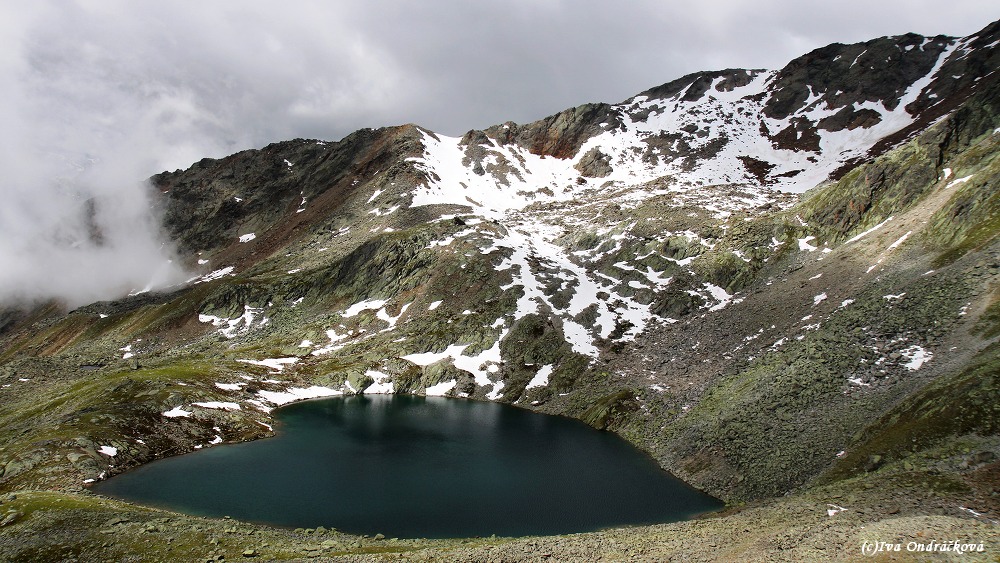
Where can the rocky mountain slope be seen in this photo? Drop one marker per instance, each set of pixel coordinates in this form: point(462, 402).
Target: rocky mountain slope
point(780, 284)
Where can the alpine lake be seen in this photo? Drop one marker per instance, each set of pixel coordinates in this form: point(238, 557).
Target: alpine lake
point(411, 466)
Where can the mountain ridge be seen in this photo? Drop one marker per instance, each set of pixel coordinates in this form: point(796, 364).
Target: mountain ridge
point(563, 134)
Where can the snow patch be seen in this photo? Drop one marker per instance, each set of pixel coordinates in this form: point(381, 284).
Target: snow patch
point(719, 295)
point(858, 237)
point(900, 240)
point(541, 378)
point(297, 394)
point(372, 304)
point(334, 344)
point(478, 365)
point(214, 275)
point(381, 314)
point(917, 357)
point(441, 389)
point(231, 328)
point(220, 405)
point(276, 364)
point(958, 181)
point(496, 392)
point(381, 385)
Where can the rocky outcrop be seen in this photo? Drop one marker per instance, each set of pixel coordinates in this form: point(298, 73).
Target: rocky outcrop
point(560, 135)
point(210, 205)
point(594, 164)
point(838, 76)
point(695, 85)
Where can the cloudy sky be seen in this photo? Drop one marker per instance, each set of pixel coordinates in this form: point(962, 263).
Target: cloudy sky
point(99, 94)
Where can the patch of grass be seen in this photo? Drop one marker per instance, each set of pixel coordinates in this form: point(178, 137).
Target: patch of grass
point(610, 409)
point(869, 193)
point(988, 325)
point(38, 431)
point(32, 501)
point(971, 221)
point(958, 404)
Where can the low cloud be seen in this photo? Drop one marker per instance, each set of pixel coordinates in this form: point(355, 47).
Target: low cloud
point(98, 95)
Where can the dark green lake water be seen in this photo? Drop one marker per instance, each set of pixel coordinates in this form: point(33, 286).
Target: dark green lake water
point(410, 466)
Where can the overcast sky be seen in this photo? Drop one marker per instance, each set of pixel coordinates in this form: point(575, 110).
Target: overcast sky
point(99, 94)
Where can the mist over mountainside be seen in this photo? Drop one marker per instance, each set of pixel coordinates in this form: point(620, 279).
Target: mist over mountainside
point(780, 284)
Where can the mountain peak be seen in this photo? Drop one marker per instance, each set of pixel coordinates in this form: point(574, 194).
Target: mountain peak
point(691, 87)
